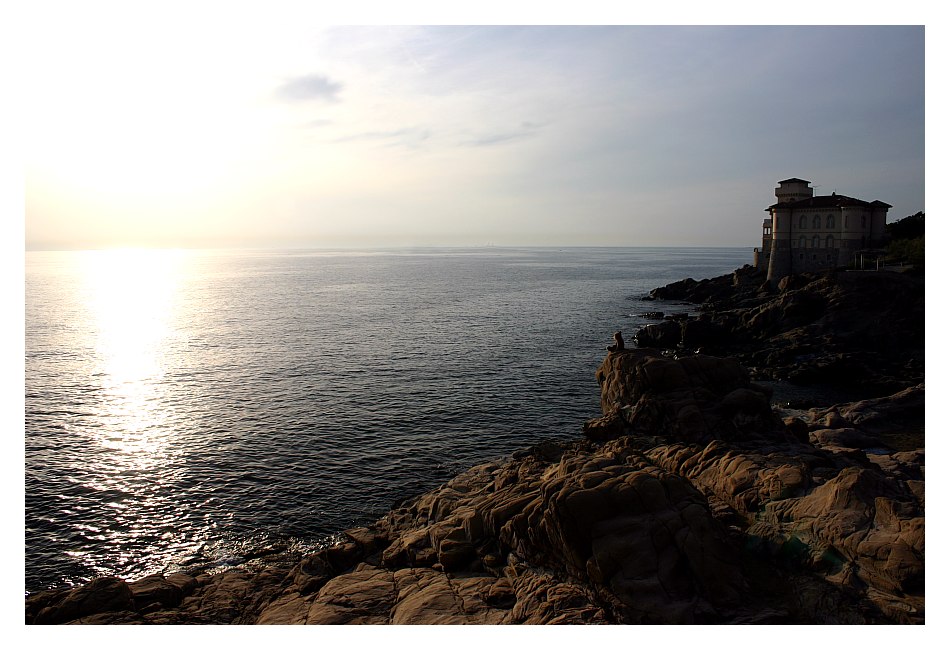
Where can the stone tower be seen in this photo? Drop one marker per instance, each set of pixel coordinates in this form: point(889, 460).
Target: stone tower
point(780, 250)
point(793, 189)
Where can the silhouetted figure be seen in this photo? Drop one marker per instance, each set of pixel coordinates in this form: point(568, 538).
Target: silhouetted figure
point(618, 343)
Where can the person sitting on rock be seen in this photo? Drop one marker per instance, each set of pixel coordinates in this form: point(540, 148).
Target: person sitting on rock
point(618, 344)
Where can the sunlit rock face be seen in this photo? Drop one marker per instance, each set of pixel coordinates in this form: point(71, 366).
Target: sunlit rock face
point(692, 503)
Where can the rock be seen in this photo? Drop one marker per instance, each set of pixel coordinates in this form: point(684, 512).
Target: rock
point(185, 583)
point(791, 283)
point(843, 524)
point(830, 328)
point(676, 291)
point(896, 421)
point(666, 334)
point(455, 554)
point(155, 589)
point(692, 398)
point(796, 428)
point(288, 609)
point(99, 595)
point(887, 414)
point(311, 574)
point(365, 595)
point(846, 437)
point(702, 333)
point(605, 428)
point(646, 535)
point(743, 281)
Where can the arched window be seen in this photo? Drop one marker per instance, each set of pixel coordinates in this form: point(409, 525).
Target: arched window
point(815, 241)
point(803, 222)
point(830, 241)
point(801, 241)
point(816, 222)
point(830, 223)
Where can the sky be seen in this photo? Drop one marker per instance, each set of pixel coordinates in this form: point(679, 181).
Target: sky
point(259, 125)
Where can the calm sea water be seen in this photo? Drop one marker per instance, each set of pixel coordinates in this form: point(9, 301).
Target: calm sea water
point(186, 408)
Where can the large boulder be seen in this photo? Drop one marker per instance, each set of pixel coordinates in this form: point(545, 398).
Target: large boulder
point(619, 523)
point(695, 398)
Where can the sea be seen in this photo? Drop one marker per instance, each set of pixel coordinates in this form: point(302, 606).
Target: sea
point(193, 409)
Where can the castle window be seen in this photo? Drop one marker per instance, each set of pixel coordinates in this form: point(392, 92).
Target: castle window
point(801, 241)
point(845, 221)
point(830, 242)
point(815, 241)
point(816, 222)
point(864, 221)
point(803, 222)
point(831, 221)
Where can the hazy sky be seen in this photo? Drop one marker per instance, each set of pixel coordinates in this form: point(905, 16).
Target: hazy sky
point(232, 127)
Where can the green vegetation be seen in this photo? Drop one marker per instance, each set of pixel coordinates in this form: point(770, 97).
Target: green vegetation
point(906, 241)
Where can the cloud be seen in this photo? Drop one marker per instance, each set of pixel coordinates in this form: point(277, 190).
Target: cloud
point(312, 87)
point(527, 130)
point(318, 123)
point(410, 137)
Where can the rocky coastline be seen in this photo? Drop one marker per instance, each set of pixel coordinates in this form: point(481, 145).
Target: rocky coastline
point(693, 498)
point(861, 331)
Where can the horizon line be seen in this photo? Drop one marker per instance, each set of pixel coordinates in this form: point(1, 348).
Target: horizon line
point(76, 249)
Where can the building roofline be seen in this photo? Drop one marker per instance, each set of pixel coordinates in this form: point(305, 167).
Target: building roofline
point(794, 180)
point(827, 201)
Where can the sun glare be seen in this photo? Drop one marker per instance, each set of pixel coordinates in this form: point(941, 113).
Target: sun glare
point(132, 296)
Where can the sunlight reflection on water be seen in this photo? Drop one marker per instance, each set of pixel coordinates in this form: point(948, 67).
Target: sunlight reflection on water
point(132, 298)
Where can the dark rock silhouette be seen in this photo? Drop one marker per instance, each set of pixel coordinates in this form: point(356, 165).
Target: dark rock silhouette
point(860, 330)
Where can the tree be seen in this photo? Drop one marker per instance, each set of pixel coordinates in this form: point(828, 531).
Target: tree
point(910, 227)
point(906, 241)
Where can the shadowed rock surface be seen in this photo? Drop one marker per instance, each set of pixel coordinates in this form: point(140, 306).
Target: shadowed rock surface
point(860, 330)
point(689, 501)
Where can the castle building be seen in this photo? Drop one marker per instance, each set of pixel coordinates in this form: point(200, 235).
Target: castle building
point(805, 232)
